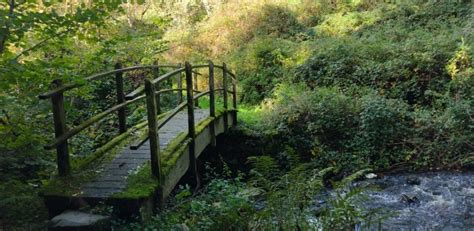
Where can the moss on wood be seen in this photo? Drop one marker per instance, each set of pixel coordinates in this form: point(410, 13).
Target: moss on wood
point(85, 169)
point(143, 184)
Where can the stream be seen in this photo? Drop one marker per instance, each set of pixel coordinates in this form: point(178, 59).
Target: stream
point(425, 201)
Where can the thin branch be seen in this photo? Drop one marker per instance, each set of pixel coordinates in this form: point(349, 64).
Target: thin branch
point(40, 44)
point(144, 11)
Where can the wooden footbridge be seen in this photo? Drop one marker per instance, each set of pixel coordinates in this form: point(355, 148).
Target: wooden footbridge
point(138, 169)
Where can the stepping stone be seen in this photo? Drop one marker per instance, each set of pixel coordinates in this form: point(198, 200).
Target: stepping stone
point(76, 220)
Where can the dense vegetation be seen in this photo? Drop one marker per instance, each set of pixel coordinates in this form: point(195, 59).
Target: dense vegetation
point(328, 88)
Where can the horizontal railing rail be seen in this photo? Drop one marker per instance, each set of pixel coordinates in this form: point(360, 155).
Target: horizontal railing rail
point(71, 86)
point(70, 133)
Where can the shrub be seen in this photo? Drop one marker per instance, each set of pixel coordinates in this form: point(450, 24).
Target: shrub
point(383, 127)
point(324, 118)
point(277, 21)
point(261, 67)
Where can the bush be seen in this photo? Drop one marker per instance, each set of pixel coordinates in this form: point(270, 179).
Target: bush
point(404, 57)
point(261, 67)
point(277, 21)
point(357, 128)
point(383, 127)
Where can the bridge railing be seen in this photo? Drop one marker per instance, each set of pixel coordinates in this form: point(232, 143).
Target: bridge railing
point(152, 96)
point(151, 90)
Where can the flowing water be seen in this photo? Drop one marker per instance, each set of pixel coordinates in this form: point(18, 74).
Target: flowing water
point(426, 201)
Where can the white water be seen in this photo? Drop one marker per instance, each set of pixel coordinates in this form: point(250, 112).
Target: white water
point(446, 201)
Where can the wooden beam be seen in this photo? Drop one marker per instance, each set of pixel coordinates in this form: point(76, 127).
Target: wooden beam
point(121, 113)
point(212, 103)
point(234, 100)
point(59, 116)
point(156, 75)
point(196, 88)
point(224, 83)
point(191, 128)
point(155, 158)
point(180, 85)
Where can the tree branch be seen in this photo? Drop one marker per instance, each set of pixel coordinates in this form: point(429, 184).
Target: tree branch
point(40, 44)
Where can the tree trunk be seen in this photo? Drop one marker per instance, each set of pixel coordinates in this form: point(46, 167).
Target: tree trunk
point(6, 30)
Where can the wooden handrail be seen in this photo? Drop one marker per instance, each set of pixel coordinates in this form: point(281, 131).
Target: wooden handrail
point(160, 79)
point(67, 87)
point(168, 117)
point(178, 109)
point(87, 123)
point(216, 66)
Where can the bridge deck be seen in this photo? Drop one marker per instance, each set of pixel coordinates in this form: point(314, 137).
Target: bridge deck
point(113, 176)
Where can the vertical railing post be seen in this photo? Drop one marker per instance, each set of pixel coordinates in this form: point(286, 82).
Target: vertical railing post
point(212, 103)
point(156, 74)
point(196, 102)
point(153, 129)
point(191, 128)
point(234, 100)
point(224, 83)
point(59, 116)
point(120, 99)
point(180, 86)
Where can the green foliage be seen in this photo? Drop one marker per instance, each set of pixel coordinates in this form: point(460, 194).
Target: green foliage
point(261, 68)
point(346, 84)
point(287, 203)
point(277, 21)
point(223, 203)
point(358, 128)
point(378, 57)
point(20, 200)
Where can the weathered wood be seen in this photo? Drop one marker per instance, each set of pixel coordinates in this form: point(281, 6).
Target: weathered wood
point(139, 90)
point(63, 138)
point(153, 129)
point(121, 113)
point(196, 88)
point(59, 116)
point(212, 103)
point(224, 85)
point(180, 85)
point(67, 87)
point(156, 75)
point(234, 100)
point(113, 173)
point(191, 127)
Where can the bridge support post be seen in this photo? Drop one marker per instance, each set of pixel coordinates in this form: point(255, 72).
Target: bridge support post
point(234, 100)
point(155, 157)
point(180, 86)
point(191, 128)
point(195, 82)
point(120, 99)
point(156, 74)
point(212, 104)
point(224, 83)
point(59, 117)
